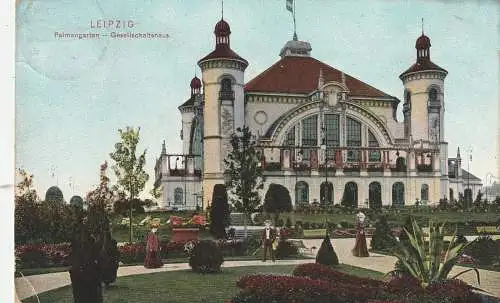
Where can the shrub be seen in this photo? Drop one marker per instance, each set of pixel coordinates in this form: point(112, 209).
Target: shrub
point(288, 223)
point(206, 257)
point(326, 254)
point(110, 258)
point(382, 238)
point(42, 255)
point(286, 249)
point(132, 253)
point(306, 225)
point(344, 224)
point(280, 223)
point(219, 212)
point(484, 250)
point(277, 200)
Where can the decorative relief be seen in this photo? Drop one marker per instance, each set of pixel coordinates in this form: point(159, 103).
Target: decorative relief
point(223, 63)
point(260, 117)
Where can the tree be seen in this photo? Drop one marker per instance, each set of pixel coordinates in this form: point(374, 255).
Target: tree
point(128, 168)
point(54, 195)
point(326, 254)
point(100, 201)
point(26, 214)
point(219, 212)
point(244, 174)
point(277, 200)
point(382, 238)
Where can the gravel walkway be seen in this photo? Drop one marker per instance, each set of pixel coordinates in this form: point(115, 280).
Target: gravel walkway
point(490, 280)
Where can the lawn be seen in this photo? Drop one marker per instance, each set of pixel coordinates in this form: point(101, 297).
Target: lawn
point(184, 286)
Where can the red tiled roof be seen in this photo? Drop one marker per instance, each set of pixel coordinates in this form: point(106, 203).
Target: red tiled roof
point(421, 66)
point(223, 51)
point(299, 75)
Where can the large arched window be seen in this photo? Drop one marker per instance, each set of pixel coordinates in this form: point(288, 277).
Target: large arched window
point(290, 137)
point(375, 195)
point(309, 135)
point(350, 197)
point(332, 131)
point(178, 195)
point(424, 192)
point(353, 139)
point(326, 193)
point(372, 142)
point(301, 193)
point(398, 194)
point(196, 146)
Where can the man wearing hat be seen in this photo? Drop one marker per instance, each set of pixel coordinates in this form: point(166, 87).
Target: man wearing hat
point(267, 237)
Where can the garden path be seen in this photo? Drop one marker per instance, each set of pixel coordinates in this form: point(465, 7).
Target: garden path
point(490, 280)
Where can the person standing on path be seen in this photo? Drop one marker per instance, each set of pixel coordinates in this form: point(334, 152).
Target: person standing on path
point(360, 248)
point(152, 259)
point(267, 237)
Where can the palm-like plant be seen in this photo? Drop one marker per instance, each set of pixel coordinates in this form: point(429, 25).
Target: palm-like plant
point(424, 263)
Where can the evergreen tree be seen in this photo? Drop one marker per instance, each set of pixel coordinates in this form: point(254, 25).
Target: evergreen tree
point(382, 238)
point(326, 254)
point(219, 212)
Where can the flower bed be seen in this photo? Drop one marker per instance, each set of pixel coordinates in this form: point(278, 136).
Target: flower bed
point(42, 255)
point(319, 283)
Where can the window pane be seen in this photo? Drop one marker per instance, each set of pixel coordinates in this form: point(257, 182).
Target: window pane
point(309, 134)
point(372, 142)
point(290, 137)
point(353, 139)
point(332, 134)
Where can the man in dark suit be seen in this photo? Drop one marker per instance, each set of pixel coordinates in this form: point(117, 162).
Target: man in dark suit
point(267, 237)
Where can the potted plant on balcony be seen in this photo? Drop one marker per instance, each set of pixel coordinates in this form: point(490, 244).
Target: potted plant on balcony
point(184, 230)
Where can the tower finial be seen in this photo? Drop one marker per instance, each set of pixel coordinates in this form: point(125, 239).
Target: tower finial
point(422, 26)
point(222, 9)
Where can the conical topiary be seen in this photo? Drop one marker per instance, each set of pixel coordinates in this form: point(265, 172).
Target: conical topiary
point(383, 238)
point(326, 255)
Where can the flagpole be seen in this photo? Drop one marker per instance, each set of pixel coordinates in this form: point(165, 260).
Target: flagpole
point(294, 25)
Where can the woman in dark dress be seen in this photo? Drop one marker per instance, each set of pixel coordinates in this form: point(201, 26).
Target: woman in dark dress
point(360, 248)
point(152, 259)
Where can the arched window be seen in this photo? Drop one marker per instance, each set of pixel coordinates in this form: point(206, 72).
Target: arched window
point(301, 193)
point(196, 146)
point(309, 135)
point(424, 192)
point(326, 193)
point(400, 164)
point(375, 195)
point(178, 195)
point(350, 197)
point(398, 194)
point(226, 90)
point(290, 137)
point(433, 95)
point(452, 197)
point(332, 131)
point(372, 142)
point(353, 139)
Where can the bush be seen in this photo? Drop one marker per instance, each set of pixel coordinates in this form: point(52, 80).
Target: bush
point(286, 249)
point(42, 255)
point(280, 223)
point(306, 225)
point(382, 238)
point(206, 257)
point(110, 258)
point(219, 212)
point(288, 223)
point(326, 254)
point(484, 250)
point(344, 224)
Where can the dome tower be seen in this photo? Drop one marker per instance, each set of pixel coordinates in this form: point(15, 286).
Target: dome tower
point(224, 109)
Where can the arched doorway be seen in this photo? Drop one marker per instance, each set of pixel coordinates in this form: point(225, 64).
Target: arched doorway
point(375, 195)
point(301, 193)
point(326, 193)
point(398, 194)
point(350, 197)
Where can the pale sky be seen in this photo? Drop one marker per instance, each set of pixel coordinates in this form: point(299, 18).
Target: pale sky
point(73, 95)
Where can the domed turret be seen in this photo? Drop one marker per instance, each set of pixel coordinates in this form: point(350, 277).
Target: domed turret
point(195, 86)
point(423, 42)
point(54, 195)
point(222, 28)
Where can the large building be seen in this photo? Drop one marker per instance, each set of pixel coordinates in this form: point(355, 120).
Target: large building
point(326, 136)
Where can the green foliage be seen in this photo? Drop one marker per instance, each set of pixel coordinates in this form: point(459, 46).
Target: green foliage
point(326, 254)
point(54, 195)
point(244, 174)
point(24, 190)
point(206, 257)
point(484, 250)
point(286, 249)
point(424, 263)
point(110, 258)
point(277, 200)
point(128, 168)
point(288, 223)
point(219, 212)
point(382, 238)
point(76, 201)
